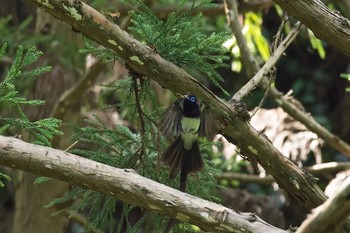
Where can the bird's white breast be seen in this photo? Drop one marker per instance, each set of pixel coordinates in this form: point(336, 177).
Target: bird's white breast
point(189, 132)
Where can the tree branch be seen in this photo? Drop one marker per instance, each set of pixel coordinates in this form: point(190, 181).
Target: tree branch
point(144, 60)
point(271, 62)
point(287, 103)
point(217, 9)
point(317, 169)
point(327, 25)
point(128, 186)
point(329, 216)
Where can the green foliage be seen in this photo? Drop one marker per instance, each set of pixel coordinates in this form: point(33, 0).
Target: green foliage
point(19, 35)
point(256, 42)
point(4, 177)
point(106, 55)
point(43, 130)
point(136, 149)
point(180, 40)
point(346, 76)
point(317, 44)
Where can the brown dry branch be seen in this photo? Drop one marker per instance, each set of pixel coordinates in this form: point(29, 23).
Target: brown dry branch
point(270, 63)
point(327, 25)
point(287, 103)
point(318, 169)
point(327, 218)
point(127, 186)
point(144, 60)
point(324, 168)
point(246, 178)
point(247, 57)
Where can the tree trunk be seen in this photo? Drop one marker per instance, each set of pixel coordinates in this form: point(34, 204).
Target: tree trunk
point(30, 213)
point(31, 216)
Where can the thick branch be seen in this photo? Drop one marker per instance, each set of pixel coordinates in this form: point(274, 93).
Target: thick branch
point(329, 216)
point(145, 61)
point(327, 25)
point(128, 186)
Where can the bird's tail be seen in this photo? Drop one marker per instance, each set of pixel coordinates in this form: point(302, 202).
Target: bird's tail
point(191, 162)
point(173, 155)
point(178, 158)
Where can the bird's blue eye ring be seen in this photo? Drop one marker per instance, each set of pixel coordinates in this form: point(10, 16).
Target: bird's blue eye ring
point(193, 99)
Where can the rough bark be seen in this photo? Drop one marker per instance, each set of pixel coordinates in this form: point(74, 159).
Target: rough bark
point(329, 26)
point(129, 187)
point(327, 217)
point(30, 214)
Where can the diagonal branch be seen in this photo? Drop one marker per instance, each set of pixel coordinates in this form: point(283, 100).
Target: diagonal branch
point(329, 216)
point(129, 187)
point(327, 25)
point(287, 103)
point(145, 61)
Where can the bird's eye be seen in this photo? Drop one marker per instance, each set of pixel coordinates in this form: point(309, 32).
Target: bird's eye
point(193, 99)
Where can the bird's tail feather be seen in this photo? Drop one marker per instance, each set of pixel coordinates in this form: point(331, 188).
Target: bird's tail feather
point(172, 156)
point(178, 158)
point(191, 162)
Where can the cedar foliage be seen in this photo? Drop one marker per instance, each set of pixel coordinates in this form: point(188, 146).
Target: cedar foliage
point(138, 145)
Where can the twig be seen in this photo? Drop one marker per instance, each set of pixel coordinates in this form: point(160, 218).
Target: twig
point(136, 77)
point(329, 216)
point(326, 24)
point(138, 104)
point(260, 75)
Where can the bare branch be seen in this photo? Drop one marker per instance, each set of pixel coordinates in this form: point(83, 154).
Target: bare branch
point(287, 103)
point(128, 186)
point(327, 25)
point(317, 169)
point(248, 60)
point(328, 217)
point(271, 62)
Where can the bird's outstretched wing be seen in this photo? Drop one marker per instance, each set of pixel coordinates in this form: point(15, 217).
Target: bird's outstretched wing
point(170, 123)
point(208, 126)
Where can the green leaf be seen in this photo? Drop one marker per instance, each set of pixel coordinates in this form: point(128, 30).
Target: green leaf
point(43, 130)
point(42, 179)
point(317, 44)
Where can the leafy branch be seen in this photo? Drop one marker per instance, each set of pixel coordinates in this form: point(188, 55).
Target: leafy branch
point(43, 130)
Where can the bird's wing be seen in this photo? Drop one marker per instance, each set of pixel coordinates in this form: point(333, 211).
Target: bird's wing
point(208, 126)
point(170, 123)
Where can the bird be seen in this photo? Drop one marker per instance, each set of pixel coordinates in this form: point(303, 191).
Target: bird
point(186, 120)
